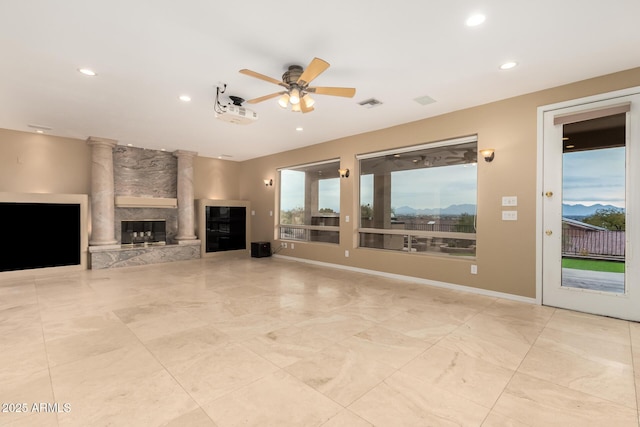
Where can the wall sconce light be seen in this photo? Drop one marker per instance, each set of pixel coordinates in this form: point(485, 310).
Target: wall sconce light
point(488, 154)
point(344, 173)
point(268, 182)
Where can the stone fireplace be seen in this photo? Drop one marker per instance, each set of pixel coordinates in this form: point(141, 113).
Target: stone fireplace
point(149, 225)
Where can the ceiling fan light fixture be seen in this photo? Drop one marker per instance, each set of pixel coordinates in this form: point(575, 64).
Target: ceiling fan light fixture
point(296, 108)
point(294, 96)
point(308, 100)
point(284, 100)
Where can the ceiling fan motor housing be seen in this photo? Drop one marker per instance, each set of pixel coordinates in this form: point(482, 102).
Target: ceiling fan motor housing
point(292, 75)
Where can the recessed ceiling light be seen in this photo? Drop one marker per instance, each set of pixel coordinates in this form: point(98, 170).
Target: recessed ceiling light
point(475, 20)
point(185, 98)
point(508, 65)
point(87, 72)
point(299, 129)
point(39, 131)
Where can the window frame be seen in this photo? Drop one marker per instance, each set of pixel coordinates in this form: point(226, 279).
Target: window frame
point(411, 235)
point(304, 232)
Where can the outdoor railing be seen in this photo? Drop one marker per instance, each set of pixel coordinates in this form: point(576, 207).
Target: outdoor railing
point(310, 233)
point(593, 243)
point(447, 228)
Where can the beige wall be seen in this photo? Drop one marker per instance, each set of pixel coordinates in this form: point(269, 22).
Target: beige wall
point(34, 163)
point(216, 179)
point(506, 252)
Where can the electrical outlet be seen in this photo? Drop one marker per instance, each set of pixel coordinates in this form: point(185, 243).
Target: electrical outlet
point(270, 213)
point(292, 246)
point(253, 213)
point(474, 269)
point(283, 245)
point(346, 253)
point(346, 218)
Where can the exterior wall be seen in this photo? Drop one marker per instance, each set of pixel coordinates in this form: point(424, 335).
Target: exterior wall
point(506, 250)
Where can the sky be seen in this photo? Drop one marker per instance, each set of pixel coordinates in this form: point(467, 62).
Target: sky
point(292, 191)
point(596, 176)
point(429, 188)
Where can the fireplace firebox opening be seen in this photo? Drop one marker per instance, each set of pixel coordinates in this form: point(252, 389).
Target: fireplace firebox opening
point(148, 231)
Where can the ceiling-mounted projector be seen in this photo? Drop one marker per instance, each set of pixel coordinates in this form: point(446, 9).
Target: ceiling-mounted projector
point(234, 113)
point(237, 114)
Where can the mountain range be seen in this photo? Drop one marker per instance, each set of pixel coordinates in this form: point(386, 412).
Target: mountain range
point(578, 210)
point(451, 210)
point(582, 210)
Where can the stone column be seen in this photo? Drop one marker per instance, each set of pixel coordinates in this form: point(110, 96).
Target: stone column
point(102, 191)
point(186, 210)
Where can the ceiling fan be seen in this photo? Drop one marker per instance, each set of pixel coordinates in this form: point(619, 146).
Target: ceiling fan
point(297, 90)
point(468, 156)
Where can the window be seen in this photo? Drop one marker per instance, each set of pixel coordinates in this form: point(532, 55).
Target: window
point(420, 199)
point(310, 202)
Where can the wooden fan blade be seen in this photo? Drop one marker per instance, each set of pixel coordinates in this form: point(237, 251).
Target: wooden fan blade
point(264, 98)
point(347, 92)
point(315, 68)
point(262, 77)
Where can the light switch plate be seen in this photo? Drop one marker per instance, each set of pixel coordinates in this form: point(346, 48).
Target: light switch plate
point(509, 200)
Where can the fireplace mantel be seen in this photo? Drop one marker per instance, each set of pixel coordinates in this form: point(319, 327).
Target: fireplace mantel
point(145, 202)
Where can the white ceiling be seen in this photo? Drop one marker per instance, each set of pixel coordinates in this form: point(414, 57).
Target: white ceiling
point(149, 52)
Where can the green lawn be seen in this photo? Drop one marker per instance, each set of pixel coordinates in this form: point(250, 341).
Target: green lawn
point(593, 265)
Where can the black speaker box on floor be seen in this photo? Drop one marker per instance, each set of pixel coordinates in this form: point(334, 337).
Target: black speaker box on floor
point(260, 249)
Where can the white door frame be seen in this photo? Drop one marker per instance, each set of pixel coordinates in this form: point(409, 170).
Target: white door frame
point(540, 169)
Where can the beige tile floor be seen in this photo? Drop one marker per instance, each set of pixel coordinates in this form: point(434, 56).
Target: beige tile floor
point(272, 342)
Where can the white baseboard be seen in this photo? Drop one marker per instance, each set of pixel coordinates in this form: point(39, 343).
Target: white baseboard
point(417, 280)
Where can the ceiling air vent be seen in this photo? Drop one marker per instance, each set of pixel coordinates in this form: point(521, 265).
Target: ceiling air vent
point(370, 103)
point(424, 100)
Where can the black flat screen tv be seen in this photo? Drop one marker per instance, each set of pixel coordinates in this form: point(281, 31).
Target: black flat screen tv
point(39, 235)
